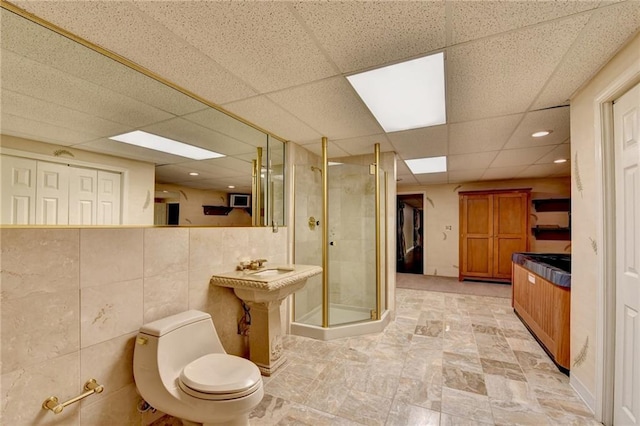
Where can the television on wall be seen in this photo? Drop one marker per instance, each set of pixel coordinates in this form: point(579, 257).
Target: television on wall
point(240, 200)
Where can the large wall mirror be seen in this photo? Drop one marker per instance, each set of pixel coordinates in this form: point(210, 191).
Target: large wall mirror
point(63, 104)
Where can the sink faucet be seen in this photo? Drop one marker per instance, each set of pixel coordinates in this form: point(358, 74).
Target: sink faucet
point(253, 265)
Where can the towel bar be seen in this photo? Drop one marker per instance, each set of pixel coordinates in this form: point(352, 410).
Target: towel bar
point(54, 405)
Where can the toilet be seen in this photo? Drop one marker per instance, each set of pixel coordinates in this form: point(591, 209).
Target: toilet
point(181, 369)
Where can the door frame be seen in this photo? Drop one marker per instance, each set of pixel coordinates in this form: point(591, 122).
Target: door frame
point(424, 219)
point(605, 222)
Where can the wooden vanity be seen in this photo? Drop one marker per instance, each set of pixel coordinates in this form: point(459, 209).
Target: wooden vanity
point(542, 299)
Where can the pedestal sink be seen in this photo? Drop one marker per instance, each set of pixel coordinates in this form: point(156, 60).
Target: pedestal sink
point(263, 291)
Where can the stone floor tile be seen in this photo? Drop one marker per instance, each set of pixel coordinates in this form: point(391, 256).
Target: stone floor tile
point(466, 404)
point(402, 414)
point(365, 408)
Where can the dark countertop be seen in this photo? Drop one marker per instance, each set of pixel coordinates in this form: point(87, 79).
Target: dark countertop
point(554, 267)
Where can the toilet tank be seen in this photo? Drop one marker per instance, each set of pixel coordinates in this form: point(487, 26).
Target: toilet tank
point(171, 343)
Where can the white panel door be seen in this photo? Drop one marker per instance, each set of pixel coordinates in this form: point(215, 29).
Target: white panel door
point(18, 191)
point(626, 111)
point(52, 194)
point(108, 198)
point(83, 196)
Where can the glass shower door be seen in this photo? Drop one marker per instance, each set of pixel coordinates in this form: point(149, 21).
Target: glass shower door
point(352, 242)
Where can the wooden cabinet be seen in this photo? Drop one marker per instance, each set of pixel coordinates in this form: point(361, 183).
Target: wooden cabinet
point(546, 310)
point(493, 225)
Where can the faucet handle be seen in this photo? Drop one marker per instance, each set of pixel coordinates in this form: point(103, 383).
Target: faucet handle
point(261, 262)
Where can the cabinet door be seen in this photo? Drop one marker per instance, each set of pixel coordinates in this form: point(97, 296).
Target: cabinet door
point(510, 230)
point(109, 198)
point(52, 200)
point(476, 229)
point(83, 189)
point(18, 191)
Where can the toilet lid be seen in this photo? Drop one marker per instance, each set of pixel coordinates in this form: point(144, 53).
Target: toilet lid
point(220, 374)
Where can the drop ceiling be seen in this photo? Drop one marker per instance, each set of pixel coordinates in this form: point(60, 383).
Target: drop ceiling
point(511, 68)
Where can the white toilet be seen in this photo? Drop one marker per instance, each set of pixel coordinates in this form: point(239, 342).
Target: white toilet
point(181, 368)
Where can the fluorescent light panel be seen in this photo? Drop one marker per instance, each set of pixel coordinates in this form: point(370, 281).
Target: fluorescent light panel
point(427, 165)
point(405, 96)
point(159, 143)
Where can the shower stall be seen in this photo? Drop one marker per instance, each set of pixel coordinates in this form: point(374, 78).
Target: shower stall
point(340, 224)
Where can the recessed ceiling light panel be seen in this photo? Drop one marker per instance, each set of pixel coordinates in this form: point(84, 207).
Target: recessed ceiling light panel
point(427, 165)
point(159, 143)
point(405, 96)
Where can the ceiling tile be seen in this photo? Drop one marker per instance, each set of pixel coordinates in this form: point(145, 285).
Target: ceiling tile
point(329, 106)
point(59, 116)
point(476, 19)
point(606, 31)
point(502, 172)
point(40, 131)
point(407, 180)
point(555, 119)
point(419, 143)
point(481, 135)
point(461, 176)
point(503, 74)
point(224, 124)
point(520, 157)
point(187, 132)
point(358, 35)
point(28, 78)
point(243, 37)
point(261, 109)
point(432, 178)
point(333, 150)
point(479, 160)
point(146, 42)
point(561, 151)
point(364, 145)
point(540, 171)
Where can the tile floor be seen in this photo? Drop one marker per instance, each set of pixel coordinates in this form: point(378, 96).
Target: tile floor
point(447, 359)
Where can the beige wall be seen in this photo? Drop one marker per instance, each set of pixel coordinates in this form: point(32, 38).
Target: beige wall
point(191, 211)
point(442, 211)
point(73, 299)
point(137, 207)
point(586, 209)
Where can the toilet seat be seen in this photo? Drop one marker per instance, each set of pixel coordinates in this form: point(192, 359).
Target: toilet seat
point(220, 377)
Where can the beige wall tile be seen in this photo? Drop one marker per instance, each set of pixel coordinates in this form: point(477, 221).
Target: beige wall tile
point(165, 295)
point(117, 408)
point(110, 255)
point(39, 327)
point(39, 261)
point(236, 246)
point(166, 250)
point(24, 390)
point(110, 311)
point(206, 249)
point(110, 363)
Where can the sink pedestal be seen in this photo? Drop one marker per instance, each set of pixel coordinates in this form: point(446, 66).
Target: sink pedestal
point(265, 336)
point(263, 291)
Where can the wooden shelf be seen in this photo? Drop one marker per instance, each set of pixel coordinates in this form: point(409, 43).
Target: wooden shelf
point(552, 205)
point(551, 233)
point(216, 210)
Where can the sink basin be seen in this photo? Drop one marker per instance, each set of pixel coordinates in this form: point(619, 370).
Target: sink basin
point(263, 291)
point(272, 272)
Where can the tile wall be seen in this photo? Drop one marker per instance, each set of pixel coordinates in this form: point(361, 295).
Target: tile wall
point(74, 298)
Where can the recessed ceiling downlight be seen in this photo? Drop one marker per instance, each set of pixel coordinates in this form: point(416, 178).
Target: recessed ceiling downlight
point(560, 160)
point(159, 143)
point(408, 95)
point(541, 133)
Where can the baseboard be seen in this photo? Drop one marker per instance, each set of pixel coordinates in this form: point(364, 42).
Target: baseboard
point(584, 394)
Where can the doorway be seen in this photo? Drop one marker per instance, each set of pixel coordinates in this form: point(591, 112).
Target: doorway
point(409, 241)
